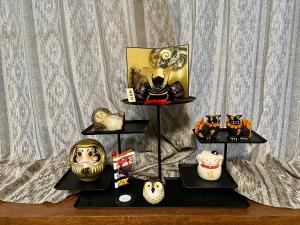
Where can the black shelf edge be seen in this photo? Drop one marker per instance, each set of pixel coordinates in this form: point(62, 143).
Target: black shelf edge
point(175, 196)
point(179, 101)
point(130, 126)
point(191, 180)
point(70, 181)
point(222, 138)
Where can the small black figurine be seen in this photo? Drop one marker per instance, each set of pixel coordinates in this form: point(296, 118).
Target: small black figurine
point(157, 87)
point(176, 90)
point(209, 129)
point(234, 126)
point(238, 128)
point(141, 92)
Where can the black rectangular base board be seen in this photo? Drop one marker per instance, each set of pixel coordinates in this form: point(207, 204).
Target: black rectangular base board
point(70, 181)
point(178, 101)
point(222, 137)
point(175, 196)
point(130, 126)
point(190, 178)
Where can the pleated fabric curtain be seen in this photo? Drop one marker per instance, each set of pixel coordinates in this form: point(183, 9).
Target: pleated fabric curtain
point(62, 59)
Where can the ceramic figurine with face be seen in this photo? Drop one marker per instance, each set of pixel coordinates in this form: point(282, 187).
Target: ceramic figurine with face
point(238, 128)
point(103, 119)
point(208, 129)
point(209, 165)
point(235, 127)
point(87, 159)
point(153, 191)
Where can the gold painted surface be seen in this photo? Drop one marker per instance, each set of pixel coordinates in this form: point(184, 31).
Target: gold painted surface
point(95, 169)
point(138, 59)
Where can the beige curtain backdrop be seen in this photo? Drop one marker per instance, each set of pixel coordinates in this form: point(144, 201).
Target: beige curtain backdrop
point(61, 59)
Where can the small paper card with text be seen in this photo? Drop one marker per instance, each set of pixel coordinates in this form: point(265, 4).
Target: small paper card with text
point(130, 95)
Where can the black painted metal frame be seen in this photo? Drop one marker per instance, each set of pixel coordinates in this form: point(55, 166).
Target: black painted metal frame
point(129, 127)
point(187, 191)
point(158, 141)
point(158, 106)
point(222, 138)
point(175, 196)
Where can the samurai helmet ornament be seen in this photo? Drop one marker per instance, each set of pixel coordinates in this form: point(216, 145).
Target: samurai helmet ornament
point(158, 82)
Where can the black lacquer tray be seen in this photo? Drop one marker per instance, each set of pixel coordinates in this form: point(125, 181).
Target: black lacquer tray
point(72, 182)
point(190, 179)
point(222, 137)
point(178, 101)
point(130, 126)
point(175, 196)
point(187, 191)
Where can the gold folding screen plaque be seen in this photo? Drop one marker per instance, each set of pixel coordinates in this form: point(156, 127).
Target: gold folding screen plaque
point(158, 73)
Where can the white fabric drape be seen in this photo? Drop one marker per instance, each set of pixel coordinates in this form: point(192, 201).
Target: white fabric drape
point(61, 59)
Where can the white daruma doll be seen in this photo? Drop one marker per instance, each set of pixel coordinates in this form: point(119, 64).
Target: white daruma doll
point(209, 165)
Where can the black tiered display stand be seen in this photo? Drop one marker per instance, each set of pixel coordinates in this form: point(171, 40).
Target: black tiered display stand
point(105, 182)
point(158, 106)
point(129, 127)
point(189, 190)
point(190, 178)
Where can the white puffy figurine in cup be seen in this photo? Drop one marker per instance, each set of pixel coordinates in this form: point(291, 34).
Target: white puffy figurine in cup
point(209, 165)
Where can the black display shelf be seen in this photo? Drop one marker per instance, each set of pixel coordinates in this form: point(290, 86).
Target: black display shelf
point(190, 179)
point(187, 191)
point(70, 181)
point(179, 101)
point(175, 196)
point(222, 137)
point(129, 127)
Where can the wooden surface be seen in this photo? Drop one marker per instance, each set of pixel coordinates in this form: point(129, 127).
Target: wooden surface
point(64, 213)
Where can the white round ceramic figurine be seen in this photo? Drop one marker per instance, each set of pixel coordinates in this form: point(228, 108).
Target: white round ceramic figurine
point(153, 191)
point(209, 165)
point(87, 159)
point(103, 119)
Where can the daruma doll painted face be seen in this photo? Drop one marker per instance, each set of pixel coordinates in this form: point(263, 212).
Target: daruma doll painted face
point(87, 159)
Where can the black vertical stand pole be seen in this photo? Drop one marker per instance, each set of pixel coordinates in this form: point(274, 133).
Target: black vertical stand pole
point(119, 143)
point(225, 155)
point(158, 140)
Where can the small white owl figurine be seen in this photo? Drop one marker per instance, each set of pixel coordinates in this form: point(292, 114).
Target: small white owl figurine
point(153, 191)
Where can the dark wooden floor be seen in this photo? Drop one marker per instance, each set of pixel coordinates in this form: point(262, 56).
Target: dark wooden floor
point(64, 214)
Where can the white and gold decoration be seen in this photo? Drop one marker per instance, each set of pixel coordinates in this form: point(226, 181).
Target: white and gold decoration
point(209, 165)
point(104, 120)
point(153, 191)
point(87, 159)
